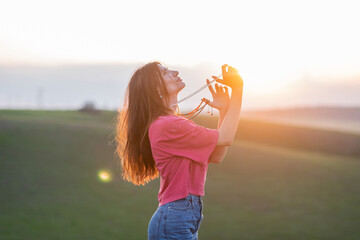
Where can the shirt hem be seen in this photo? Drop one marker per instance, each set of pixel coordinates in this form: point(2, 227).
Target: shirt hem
point(180, 196)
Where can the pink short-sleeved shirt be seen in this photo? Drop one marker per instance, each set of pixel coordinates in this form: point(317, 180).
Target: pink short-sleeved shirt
point(181, 150)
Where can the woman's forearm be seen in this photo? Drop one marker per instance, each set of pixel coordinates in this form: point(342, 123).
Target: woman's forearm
point(222, 114)
point(230, 122)
point(219, 152)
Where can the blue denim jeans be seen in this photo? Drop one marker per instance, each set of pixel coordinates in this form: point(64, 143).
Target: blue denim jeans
point(177, 220)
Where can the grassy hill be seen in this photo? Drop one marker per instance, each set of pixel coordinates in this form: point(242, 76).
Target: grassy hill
point(293, 136)
point(344, 119)
point(49, 162)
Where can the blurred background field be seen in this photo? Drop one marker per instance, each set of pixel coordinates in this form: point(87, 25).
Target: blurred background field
point(293, 171)
point(278, 181)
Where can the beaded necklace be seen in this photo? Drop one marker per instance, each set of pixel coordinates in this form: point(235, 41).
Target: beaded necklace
point(198, 109)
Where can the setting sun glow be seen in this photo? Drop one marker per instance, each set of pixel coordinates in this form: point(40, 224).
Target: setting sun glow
point(274, 44)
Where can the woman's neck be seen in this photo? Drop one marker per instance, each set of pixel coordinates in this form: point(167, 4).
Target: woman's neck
point(173, 102)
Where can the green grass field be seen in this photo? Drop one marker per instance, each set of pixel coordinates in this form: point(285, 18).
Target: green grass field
point(49, 162)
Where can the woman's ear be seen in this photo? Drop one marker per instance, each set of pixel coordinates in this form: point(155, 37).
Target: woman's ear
point(159, 92)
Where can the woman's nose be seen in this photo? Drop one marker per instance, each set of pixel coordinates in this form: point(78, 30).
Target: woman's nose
point(175, 73)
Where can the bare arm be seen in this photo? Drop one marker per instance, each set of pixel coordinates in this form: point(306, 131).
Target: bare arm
point(219, 152)
point(229, 111)
point(230, 123)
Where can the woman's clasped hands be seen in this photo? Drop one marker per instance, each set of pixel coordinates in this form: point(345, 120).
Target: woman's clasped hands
point(231, 78)
point(221, 97)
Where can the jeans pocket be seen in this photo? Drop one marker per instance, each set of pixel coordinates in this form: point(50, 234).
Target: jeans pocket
point(181, 204)
point(180, 223)
point(155, 224)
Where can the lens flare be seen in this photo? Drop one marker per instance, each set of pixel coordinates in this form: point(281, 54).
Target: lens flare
point(104, 176)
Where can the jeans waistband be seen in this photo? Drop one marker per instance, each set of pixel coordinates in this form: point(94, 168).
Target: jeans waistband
point(194, 198)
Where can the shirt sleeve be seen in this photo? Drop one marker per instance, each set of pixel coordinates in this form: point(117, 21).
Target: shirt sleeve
point(181, 137)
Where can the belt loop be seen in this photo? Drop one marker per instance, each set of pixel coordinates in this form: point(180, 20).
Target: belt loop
point(192, 200)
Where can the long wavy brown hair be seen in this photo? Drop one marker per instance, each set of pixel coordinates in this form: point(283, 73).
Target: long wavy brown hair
point(142, 105)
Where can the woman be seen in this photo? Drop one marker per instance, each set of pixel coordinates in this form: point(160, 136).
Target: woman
point(153, 140)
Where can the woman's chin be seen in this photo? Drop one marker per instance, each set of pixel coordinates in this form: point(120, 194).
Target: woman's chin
point(182, 85)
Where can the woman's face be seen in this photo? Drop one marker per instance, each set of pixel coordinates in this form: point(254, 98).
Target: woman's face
point(173, 82)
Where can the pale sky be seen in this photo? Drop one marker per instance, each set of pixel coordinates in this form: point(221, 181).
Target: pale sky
point(274, 44)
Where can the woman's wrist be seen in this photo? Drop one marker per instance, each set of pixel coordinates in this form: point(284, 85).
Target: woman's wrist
point(222, 111)
point(237, 90)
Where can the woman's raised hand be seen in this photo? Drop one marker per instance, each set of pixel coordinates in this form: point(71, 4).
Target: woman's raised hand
point(231, 78)
point(221, 97)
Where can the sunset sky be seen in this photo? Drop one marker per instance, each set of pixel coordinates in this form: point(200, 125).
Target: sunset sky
point(276, 45)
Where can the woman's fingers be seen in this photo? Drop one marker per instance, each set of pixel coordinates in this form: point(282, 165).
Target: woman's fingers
point(210, 87)
point(219, 80)
point(227, 92)
point(207, 101)
point(218, 89)
point(223, 68)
